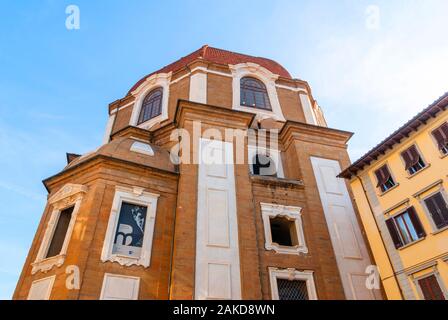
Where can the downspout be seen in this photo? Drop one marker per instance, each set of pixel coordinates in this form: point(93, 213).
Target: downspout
point(382, 240)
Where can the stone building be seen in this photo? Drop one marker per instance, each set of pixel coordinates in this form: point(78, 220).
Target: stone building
point(135, 220)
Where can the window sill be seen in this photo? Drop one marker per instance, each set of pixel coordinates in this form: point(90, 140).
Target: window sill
point(387, 191)
point(275, 181)
point(416, 173)
point(440, 230)
point(148, 124)
point(126, 260)
point(263, 112)
point(47, 264)
point(296, 250)
point(411, 244)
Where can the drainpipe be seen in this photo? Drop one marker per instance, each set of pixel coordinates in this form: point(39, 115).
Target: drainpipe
point(382, 240)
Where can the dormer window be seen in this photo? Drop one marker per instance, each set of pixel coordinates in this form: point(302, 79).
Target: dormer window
point(254, 94)
point(151, 106)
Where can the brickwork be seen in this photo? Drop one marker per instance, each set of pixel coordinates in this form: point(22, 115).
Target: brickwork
point(171, 274)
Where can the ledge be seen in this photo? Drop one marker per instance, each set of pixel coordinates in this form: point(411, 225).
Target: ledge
point(279, 249)
point(411, 244)
point(47, 264)
point(416, 173)
point(389, 190)
point(440, 230)
point(277, 182)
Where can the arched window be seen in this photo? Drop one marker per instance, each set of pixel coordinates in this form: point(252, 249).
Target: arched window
point(151, 105)
point(264, 165)
point(253, 93)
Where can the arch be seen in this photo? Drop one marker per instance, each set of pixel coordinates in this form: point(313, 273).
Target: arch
point(253, 93)
point(151, 105)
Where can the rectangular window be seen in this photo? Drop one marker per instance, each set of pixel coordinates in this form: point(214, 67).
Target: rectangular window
point(441, 137)
point(405, 228)
point(60, 232)
point(430, 288)
point(265, 161)
point(384, 178)
point(292, 290)
point(438, 209)
point(291, 284)
point(283, 229)
point(128, 240)
point(283, 232)
point(413, 160)
point(130, 230)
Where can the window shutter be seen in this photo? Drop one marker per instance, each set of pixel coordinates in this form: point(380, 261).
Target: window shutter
point(442, 207)
point(416, 222)
point(410, 157)
point(394, 233)
point(379, 177)
point(414, 155)
point(444, 129)
point(407, 159)
point(441, 135)
point(382, 175)
point(432, 208)
point(430, 288)
point(438, 209)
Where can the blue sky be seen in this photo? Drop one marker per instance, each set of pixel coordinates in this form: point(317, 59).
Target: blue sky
point(55, 84)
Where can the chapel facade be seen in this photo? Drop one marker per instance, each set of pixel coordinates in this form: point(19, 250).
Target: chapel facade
point(166, 208)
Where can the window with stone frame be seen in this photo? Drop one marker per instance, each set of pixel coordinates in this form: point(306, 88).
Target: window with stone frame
point(430, 288)
point(413, 161)
point(283, 229)
point(384, 178)
point(292, 289)
point(253, 94)
point(130, 229)
point(405, 228)
point(64, 206)
point(292, 284)
point(438, 209)
point(151, 106)
point(60, 232)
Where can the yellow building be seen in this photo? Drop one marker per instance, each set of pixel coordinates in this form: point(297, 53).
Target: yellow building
point(401, 190)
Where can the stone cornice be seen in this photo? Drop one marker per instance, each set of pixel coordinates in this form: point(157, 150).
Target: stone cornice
point(131, 131)
point(277, 182)
point(96, 160)
point(315, 134)
point(212, 115)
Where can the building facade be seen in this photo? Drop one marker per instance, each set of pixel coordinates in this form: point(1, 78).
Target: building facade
point(166, 208)
point(400, 190)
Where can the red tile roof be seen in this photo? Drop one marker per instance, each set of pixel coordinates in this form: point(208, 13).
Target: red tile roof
point(218, 56)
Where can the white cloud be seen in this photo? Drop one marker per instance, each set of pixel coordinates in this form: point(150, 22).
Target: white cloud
point(382, 78)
